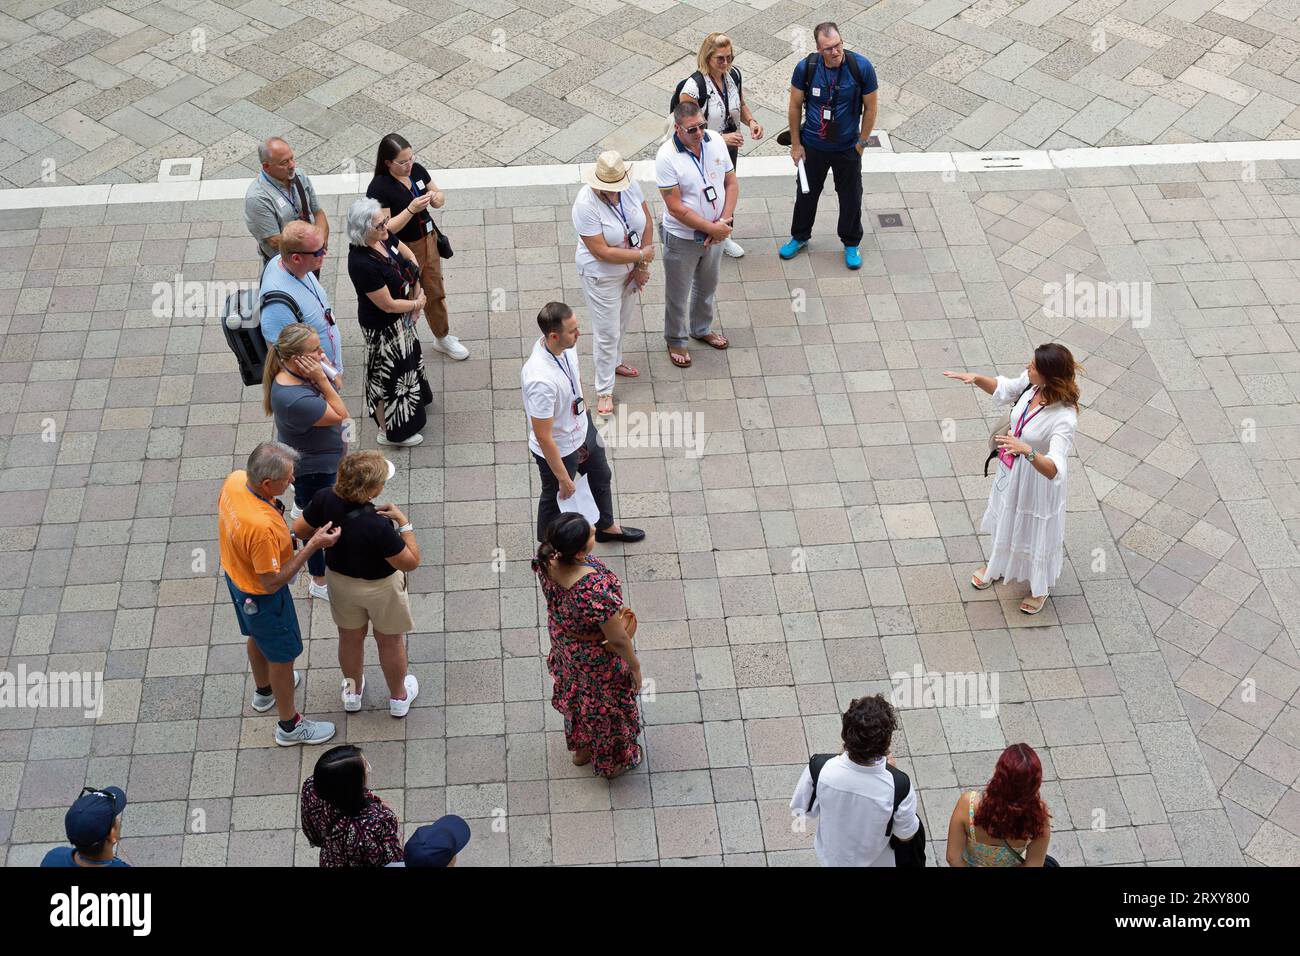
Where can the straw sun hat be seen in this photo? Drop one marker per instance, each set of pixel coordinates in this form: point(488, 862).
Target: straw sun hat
point(610, 173)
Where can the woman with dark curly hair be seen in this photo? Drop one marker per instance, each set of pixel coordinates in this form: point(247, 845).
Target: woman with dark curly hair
point(1008, 824)
point(597, 674)
point(853, 796)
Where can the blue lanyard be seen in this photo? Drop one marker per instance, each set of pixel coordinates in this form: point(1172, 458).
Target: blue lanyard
point(288, 196)
point(699, 164)
point(309, 289)
point(270, 501)
point(1021, 427)
point(627, 229)
point(564, 367)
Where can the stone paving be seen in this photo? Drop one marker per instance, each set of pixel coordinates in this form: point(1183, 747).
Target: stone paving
point(98, 91)
point(822, 543)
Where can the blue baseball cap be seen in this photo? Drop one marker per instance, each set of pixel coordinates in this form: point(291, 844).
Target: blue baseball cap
point(434, 844)
point(90, 818)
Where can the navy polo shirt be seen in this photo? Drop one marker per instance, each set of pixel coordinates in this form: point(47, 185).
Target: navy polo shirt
point(835, 87)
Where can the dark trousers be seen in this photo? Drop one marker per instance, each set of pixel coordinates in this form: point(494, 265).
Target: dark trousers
point(304, 489)
point(596, 468)
point(847, 166)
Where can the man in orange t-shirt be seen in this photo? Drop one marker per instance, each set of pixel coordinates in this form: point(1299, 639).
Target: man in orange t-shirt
point(259, 561)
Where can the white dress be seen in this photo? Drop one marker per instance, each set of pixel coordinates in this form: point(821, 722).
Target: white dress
point(1026, 512)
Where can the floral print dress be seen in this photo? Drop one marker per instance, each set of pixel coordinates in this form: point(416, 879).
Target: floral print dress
point(593, 685)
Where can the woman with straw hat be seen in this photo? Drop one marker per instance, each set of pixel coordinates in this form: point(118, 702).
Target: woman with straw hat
point(614, 252)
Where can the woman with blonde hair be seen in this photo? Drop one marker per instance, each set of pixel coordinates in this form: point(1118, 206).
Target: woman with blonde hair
point(367, 577)
point(298, 390)
point(715, 87)
point(1026, 509)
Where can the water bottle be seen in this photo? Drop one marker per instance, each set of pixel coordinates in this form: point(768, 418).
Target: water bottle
point(250, 606)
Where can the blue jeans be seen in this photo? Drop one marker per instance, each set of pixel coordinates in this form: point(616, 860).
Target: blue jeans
point(304, 489)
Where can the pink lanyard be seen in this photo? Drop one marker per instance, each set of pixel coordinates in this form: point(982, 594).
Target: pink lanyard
point(1006, 457)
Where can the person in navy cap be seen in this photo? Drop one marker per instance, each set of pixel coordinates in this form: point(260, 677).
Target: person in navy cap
point(94, 827)
point(437, 843)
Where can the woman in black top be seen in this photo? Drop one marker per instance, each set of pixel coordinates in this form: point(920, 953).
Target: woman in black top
point(404, 190)
point(385, 274)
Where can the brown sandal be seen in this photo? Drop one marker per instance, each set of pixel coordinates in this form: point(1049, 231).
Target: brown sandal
point(680, 359)
point(714, 339)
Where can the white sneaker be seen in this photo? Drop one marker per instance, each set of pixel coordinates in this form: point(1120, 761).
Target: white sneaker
point(263, 704)
point(408, 443)
point(321, 591)
point(450, 345)
point(731, 248)
point(351, 701)
point(398, 708)
point(307, 732)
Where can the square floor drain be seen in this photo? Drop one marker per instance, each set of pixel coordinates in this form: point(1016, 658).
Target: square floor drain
point(890, 220)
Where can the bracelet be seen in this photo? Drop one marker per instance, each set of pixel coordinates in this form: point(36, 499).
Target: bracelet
point(405, 528)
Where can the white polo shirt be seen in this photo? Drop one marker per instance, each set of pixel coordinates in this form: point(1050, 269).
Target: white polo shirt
point(592, 216)
point(854, 802)
point(550, 383)
point(675, 165)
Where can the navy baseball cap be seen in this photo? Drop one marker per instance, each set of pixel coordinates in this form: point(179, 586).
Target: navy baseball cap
point(90, 818)
point(434, 844)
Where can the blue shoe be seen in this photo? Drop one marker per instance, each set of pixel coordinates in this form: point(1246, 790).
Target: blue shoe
point(852, 258)
point(791, 249)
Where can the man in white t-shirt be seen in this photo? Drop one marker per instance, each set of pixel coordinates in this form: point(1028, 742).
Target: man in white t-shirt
point(695, 176)
point(561, 436)
point(855, 792)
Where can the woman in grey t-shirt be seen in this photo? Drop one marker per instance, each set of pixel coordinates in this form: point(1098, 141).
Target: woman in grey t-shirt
point(309, 415)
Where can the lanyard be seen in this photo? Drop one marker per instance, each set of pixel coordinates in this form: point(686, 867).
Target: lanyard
point(627, 229)
point(1024, 421)
point(270, 501)
point(699, 165)
point(293, 204)
point(311, 290)
point(564, 367)
point(726, 96)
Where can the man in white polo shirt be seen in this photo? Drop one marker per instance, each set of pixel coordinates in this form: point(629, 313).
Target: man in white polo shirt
point(853, 796)
point(561, 436)
point(698, 182)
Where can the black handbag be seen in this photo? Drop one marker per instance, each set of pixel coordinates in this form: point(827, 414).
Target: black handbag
point(907, 853)
point(444, 244)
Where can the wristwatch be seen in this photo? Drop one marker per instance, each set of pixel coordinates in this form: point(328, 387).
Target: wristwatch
point(405, 528)
point(1029, 455)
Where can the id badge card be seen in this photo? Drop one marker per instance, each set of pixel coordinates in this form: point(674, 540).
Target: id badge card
point(428, 226)
point(634, 238)
point(579, 406)
point(329, 316)
point(710, 194)
point(827, 114)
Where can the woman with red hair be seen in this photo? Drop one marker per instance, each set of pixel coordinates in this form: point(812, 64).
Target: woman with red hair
point(1006, 825)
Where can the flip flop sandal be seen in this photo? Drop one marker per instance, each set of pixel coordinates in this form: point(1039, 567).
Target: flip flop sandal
point(1027, 606)
point(627, 371)
point(712, 340)
point(680, 359)
point(600, 409)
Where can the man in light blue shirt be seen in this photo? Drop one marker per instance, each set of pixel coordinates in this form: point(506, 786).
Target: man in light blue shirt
point(301, 251)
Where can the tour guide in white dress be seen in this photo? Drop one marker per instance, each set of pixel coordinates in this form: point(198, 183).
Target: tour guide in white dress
point(1026, 510)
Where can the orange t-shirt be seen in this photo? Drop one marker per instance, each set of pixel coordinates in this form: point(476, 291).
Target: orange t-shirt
point(251, 534)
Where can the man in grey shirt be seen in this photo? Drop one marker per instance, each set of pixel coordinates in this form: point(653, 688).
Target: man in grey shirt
point(279, 195)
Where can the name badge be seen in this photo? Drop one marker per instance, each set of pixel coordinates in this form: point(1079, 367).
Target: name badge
point(283, 202)
point(634, 238)
point(428, 226)
point(710, 194)
point(419, 184)
point(826, 114)
point(816, 91)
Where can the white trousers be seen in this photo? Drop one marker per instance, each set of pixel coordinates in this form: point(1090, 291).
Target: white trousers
point(610, 301)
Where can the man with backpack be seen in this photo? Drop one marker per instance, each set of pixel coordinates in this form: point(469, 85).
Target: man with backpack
point(829, 92)
point(300, 296)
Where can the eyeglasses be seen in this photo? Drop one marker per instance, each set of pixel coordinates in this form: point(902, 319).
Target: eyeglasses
point(317, 254)
point(725, 58)
point(382, 223)
point(837, 48)
point(692, 130)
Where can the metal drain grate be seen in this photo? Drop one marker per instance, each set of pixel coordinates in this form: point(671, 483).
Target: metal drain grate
point(890, 220)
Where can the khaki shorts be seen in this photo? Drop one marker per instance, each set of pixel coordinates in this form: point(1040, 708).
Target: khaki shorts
point(356, 602)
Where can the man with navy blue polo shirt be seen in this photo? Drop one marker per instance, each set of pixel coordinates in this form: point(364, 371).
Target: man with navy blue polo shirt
point(832, 110)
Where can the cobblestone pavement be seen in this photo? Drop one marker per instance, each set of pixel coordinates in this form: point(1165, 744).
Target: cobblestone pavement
point(822, 543)
point(98, 91)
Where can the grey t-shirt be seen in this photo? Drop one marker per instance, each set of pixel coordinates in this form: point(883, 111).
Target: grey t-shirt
point(269, 207)
point(297, 408)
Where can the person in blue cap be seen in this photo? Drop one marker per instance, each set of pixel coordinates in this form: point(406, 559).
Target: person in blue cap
point(94, 827)
point(437, 843)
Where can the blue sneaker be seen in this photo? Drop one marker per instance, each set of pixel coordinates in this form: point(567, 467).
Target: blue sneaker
point(852, 258)
point(791, 249)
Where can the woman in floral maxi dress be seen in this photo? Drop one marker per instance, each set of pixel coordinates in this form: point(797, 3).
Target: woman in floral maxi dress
point(383, 272)
point(597, 674)
point(1026, 510)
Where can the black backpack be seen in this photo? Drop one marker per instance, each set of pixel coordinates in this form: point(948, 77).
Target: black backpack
point(855, 71)
point(907, 853)
point(701, 92)
point(244, 336)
